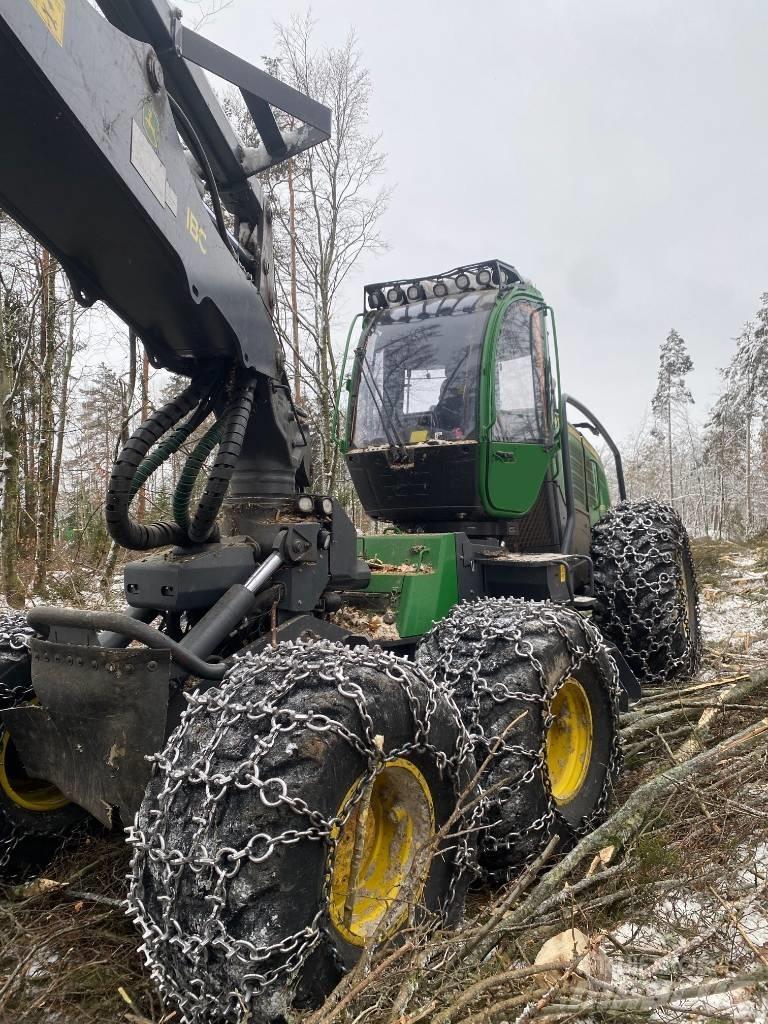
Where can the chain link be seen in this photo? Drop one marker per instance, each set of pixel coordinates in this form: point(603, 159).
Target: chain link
point(258, 691)
point(465, 651)
point(15, 634)
point(646, 588)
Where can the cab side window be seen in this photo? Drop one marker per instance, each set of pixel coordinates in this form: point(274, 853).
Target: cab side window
point(520, 377)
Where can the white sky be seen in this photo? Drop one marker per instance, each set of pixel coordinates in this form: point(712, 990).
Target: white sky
point(615, 151)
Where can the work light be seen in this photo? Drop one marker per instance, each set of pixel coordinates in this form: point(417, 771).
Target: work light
point(484, 278)
point(439, 289)
point(415, 292)
point(376, 300)
point(462, 282)
point(395, 295)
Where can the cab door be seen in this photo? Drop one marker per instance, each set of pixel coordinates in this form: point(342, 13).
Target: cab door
point(515, 428)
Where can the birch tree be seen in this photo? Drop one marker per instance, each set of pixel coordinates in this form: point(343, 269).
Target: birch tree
point(328, 203)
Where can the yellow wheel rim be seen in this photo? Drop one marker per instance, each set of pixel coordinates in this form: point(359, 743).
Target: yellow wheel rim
point(376, 849)
point(26, 792)
point(569, 741)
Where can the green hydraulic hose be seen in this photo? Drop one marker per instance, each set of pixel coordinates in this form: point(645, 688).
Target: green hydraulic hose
point(183, 493)
point(155, 459)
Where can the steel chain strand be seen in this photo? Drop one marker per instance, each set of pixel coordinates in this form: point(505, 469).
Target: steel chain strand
point(15, 635)
point(282, 672)
point(639, 549)
point(475, 629)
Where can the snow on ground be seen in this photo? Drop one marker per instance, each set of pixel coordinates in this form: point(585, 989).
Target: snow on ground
point(734, 613)
point(734, 619)
point(655, 956)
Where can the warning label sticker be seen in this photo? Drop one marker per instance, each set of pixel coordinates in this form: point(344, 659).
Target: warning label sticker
point(148, 163)
point(52, 12)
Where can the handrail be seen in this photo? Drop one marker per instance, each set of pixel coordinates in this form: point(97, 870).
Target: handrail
point(339, 386)
point(606, 437)
point(570, 507)
point(43, 618)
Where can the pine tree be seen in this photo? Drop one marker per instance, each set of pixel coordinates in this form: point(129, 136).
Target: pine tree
point(671, 391)
point(746, 393)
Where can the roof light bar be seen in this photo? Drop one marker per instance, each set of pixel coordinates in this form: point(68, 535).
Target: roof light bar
point(487, 274)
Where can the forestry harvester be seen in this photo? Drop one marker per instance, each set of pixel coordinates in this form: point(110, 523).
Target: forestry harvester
point(288, 719)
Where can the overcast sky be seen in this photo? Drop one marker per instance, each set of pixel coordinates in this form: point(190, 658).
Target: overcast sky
point(614, 151)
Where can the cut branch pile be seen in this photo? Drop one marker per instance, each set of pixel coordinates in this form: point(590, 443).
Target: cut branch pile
point(668, 891)
point(685, 839)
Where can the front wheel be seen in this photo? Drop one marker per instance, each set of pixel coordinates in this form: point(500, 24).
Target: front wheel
point(292, 819)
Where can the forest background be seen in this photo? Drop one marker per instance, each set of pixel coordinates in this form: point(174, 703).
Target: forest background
point(74, 383)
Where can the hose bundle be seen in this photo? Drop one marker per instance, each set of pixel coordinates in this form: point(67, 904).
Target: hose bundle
point(137, 462)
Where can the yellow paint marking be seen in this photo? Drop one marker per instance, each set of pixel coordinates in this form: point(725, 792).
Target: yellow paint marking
point(52, 12)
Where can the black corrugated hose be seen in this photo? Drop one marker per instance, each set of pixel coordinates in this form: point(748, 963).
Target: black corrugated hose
point(140, 537)
point(235, 426)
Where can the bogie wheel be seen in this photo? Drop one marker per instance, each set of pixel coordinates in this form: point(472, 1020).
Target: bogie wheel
point(538, 692)
point(35, 817)
point(645, 585)
point(289, 823)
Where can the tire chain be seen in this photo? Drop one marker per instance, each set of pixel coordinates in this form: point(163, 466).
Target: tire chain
point(475, 629)
point(658, 532)
point(293, 664)
point(15, 634)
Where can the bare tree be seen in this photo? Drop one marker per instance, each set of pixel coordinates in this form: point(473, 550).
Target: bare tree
point(204, 11)
point(328, 205)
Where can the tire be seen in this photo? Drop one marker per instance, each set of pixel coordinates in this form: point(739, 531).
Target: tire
point(645, 585)
point(34, 816)
point(245, 841)
point(521, 672)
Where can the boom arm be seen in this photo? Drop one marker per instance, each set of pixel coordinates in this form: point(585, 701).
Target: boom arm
point(94, 168)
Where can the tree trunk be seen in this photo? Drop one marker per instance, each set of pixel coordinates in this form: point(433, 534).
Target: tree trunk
point(669, 447)
point(748, 481)
point(105, 584)
point(45, 511)
point(294, 292)
point(9, 472)
point(132, 363)
point(66, 371)
point(141, 499)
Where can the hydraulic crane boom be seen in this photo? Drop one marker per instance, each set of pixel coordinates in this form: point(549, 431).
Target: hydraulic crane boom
point(119, 158)
point(92, 111)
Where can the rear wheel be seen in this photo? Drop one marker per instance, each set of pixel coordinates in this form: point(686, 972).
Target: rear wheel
point(646, 589)
point(290, 822)
point(538, 692)
point(35, 817)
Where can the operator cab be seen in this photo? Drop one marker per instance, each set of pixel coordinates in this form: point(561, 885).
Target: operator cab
point(451, 410)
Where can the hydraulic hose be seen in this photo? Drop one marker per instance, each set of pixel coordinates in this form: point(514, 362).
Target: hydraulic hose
point(183, 493)
point(166, 449)
point(122, 528)
point(233, 434)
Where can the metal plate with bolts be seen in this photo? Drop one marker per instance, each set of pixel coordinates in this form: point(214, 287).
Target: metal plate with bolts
point(101, 712)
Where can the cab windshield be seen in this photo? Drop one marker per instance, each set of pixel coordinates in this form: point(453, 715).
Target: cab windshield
point(419, 372)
